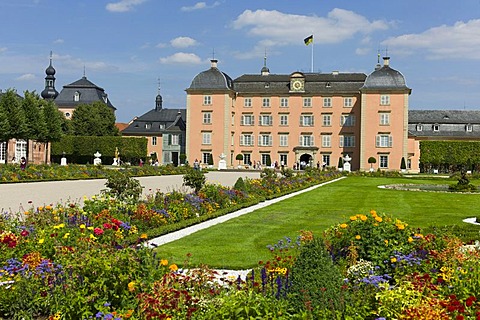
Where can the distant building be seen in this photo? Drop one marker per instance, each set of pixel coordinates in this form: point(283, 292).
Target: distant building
point(165, 132)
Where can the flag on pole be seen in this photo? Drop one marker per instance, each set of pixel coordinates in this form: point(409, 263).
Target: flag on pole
point(308, 40)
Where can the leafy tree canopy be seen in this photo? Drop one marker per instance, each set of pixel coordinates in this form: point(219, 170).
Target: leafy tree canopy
point(95, 119)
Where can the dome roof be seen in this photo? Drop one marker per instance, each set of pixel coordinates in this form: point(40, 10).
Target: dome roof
point(212, 78)
point(50, 71)
point(385, 78)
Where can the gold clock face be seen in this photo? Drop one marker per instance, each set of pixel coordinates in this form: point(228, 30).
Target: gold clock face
point(297, 85)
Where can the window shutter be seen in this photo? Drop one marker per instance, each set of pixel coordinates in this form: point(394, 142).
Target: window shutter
point(252, 140)
point(390, 141)
point(169, 139)
point(341, 141)
point(242, 121)
point(313, 119)
point(260, 140)
point(377, 143)
point(242, 139)
point(253, 120)
point(270, 140)
point(270, 120)
point(312, 143)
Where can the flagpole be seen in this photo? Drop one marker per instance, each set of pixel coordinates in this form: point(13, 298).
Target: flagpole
point(313, 44)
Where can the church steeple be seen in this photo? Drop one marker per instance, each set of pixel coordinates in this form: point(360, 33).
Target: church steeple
point(158, 99)
point(50, 93)
point(265, 71)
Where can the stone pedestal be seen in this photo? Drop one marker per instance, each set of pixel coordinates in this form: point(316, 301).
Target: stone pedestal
point(222, 164)
point(63, 161)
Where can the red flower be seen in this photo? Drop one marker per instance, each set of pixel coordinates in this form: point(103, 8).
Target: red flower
point(459, 317)
point(98, 231)
point(107, 226)
point(24, 233)
point(470, 301)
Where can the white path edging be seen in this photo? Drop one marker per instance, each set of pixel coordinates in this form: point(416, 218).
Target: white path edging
point(189, 230)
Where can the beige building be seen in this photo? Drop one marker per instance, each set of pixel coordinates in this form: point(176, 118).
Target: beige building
point(300, 118)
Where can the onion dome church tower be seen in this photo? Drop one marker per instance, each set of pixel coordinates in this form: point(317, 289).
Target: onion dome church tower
point(50, 93)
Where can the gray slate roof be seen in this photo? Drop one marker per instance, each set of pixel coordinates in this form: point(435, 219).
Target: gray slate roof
point(315, 83)
point(151, 122)
point(89, 93)
point(385, 78)
point(444, 116)
point(211, 79)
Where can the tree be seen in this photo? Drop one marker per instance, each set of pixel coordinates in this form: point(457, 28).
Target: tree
point(340, 163)
point(194, 179)
point(95, 119)
point(239, 157)
point(14, 117)
point(54, 121)
point(403, 166)
point(371, 161)
point(34, 117)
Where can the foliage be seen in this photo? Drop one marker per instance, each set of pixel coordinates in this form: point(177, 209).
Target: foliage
point(340, 162)
point(183, 157)
point(455, 154)
point(403, 165)
point(194, 179)
point(372, 160)
point(122, 186)
point(95, 119)
point(463, 184)
point(268, 173)
point(239, 184)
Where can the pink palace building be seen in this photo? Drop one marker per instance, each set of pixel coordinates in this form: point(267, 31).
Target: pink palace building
point(304, 118)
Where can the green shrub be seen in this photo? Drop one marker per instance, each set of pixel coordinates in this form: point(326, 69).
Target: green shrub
point(240, 184)
point(316, 280)
point(194, 179)
point(123, 187)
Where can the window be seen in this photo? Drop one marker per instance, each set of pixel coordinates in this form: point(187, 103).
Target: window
point(283, 138)
point(174, 139)
point(326, 159)
point(232, 139)
point(266, 102)
point(383, 161)
point(419, 127)
point(67, 115)
point(283, 159)
point(246, 139)
point(384, 118)
point(207, 100)
point(306, 140)
point(154, 141)
point(384, 141)
point(247, 120)
point(348, 102)
point(284, 119)
point(384, 100)
point(307, 102)
point(265, 140)
point(76, 96)
point(283, 102)
point(162, 126)
point(266, 158)
point(326, 140)
point(233, 118)
point(207, 118)
point(206, 138)
point(327, 120)
point(266, 120)
point(436, 127)
point(247, 159)
point(20, 149)
point(3, 152)
point(347, 141)
point(167, 157)
point(306, 120)
point(247, 102)
point(469, 128)
point(148, 125)
point(205, 157)
point(327, 102)
point(347, 120)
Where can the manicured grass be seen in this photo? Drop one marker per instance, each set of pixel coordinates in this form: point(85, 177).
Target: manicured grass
point(241, 242)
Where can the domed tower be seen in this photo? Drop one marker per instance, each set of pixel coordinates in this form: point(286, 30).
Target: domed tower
point(210, 114)
point(384, 118)
point(50, 93)
point(158, 100)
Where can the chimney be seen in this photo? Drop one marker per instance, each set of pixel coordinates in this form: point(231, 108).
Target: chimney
point(335, 72)
point(214, 63)
point(386, 61)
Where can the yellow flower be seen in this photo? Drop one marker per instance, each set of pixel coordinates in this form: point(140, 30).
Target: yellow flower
point(40, 241)
point(90, 228)
point(48, 207)
point(93, 237)
point(82, 226)
point(386, 242)
point(143, 236)
point(40, 208)
point(26, 213)
point(378, 219)
point(410, 239)
point(343, 226)
point(131, 286)
point(353, 218)
point(400, 226)
point(173, 267)
point(66, 235)
point(61, 225)
point(393, 260)
point(164, 262)
point(358, 237)
point(373, 213)
point(363, 217)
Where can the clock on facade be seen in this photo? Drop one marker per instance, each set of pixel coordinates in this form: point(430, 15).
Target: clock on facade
point(297, 85)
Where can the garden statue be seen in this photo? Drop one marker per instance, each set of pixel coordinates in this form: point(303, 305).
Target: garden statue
point(346, 163)
point(116, 160)
point(97, 160)
point(222, 164)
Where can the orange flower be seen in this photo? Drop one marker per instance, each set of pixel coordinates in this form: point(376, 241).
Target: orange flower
point(343, 225)
point(358, 237)
point(353, 218)
point(164, 262)
point(378, 219)
point(131, 286)
point(143, 236)
point(173, 267)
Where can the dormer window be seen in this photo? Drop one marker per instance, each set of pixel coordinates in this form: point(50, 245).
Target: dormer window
point(436, 127)
point(419, 127)
point(267, 84)
point(162, 126)
point(148, 125)
point(76, 96)
point(469, 128)
point(328, 85)
point(105, 99)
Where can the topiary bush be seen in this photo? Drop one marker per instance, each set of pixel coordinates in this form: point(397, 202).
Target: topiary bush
point(240, 184)
point(316, 281)
point(122, 186)
point(194, 179)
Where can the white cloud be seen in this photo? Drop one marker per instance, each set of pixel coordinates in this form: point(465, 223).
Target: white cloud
point(75, 64)
point(161, 45)
point(183, 42)
point(338, 26)
point(461, 40)
point(3, 49)
point(181, 58)
point(200, 6)
point(26, 77)
point(59, 41)
point(123, 5)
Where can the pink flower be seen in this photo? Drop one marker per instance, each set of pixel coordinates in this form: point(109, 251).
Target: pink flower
point(98, 231)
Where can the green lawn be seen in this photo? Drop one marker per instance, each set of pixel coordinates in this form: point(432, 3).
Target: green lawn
point(241, 242)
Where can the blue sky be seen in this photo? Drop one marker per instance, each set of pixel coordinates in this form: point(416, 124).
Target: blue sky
point(127, 46)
